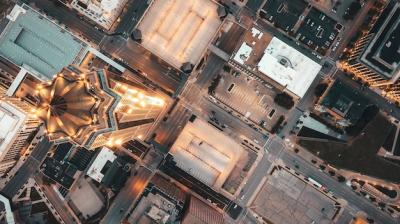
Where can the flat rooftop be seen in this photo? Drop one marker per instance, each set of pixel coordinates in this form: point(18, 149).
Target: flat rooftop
point(288, 67)
point(283, 13)
point(105, 155)
point(11, 121)
point(32, 41)
point(179, 31)
point(206, 153)
point(103, 12)
point(383, 52)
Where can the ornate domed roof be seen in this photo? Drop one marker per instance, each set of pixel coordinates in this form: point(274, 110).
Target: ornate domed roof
point(73, 106)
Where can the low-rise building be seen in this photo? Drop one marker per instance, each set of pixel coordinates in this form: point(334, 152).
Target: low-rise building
point(103, 12)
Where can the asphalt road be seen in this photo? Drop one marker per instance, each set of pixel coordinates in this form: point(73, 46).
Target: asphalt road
point(131, 15)
point(56, 201)
point(168, 130)
point(128, 196)
point(68, 17)
point(133, 55)
point(28, 169)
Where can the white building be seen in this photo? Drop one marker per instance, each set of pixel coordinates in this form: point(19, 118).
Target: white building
point(288, 67)
point(103, 12)
point(16, 126)
point(105, 155)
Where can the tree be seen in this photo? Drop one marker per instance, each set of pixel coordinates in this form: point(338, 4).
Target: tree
point(214, 84)
point(277, 125)
point(284, 100)
point(320, 89)
point(341, 178)
point(227, 68)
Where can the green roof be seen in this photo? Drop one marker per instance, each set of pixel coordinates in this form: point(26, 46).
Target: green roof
point(35, 42)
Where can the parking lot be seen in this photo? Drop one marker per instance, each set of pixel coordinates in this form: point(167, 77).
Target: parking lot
point(249, 97)
point(285, 197)
point(284, 14)
point(318, 31)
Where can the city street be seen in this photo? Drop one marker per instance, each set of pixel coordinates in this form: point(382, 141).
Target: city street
point(128, 196)
point(138, 58)
point(65, 214)
point(28, 169)
point(68, 17)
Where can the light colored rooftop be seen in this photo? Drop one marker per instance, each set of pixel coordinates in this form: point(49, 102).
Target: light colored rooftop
point(179, 31)
point(206, 153)
point(32, 41)
point(288, 67)
point(243, 53)
point(105, 155)
point(11, 121)
point(104, 12)
point(86, 199)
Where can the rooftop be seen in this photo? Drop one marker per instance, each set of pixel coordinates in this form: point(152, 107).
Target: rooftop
point(383, 52)
point(345, 101)
point(105, 155)
point(288, 67)
point(179, 31)
point(104, 12)
point(77, 119)
point(206, 153)
point(34, 42)
point(11, 121)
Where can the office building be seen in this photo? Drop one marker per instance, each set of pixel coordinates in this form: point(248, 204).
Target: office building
point(199, 212)
point(16, 126)
point(375, 58)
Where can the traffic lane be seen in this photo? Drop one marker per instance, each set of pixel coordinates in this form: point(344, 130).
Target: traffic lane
point(127, 196)
point(55, 200)
point(153, 68)
point(27, 169)
point(340, 189)
point(169, 130)
point(132, 13)
point(68, 17)
point(213, 66)
point(252, 184)
point(22, 176)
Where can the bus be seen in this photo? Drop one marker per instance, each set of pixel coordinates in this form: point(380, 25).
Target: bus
point(314, 182)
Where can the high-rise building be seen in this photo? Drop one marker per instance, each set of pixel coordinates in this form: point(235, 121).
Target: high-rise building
point(17, 124)
point(91, 109)
point(375, 58)
point(198, 212)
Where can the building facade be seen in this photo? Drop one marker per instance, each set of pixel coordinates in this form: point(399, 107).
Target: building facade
point(375, 57)
point(16, 127)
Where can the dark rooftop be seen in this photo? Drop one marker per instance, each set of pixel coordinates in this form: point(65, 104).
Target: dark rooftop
point(62, 173)
point(283, 13)
point(346, 101)
point(382, 54)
